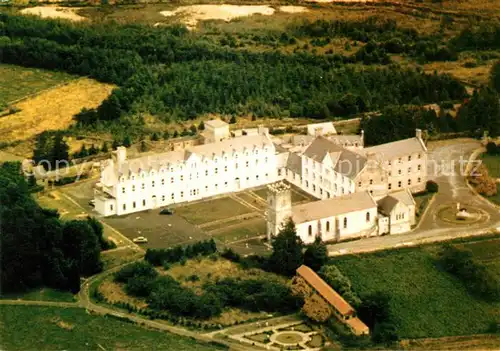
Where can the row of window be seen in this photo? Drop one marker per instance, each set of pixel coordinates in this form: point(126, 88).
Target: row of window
point(400, 160)
point(181, 179)
point(419, 168)
point(310, 231)
point(181, 168)
point(400, 183)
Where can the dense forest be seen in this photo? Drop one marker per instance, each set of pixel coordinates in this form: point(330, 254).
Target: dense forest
point(179, 75)
point(38, 248)
point(479, 114)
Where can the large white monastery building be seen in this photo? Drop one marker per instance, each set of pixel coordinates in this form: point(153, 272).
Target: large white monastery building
point(360, 191)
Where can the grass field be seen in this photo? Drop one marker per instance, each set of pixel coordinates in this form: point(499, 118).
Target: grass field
point(426, 302)
point(51, 328)
point(212, 210)
point(53, 109)
point(43, 294)
point(244, 230)
point(18, 82)
point(492, 163)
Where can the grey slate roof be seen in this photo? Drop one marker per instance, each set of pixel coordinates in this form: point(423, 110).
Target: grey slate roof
point(387, 204)
point(397, 149)
point(333, 207)
point(346, 162)
point(294, 163)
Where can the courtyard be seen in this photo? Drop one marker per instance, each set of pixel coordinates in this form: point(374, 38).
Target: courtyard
point(235, 220)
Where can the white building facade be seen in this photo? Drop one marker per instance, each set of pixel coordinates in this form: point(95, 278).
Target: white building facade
point(362, 191)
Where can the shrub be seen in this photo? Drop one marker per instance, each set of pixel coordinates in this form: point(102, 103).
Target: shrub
point(137, 269)
point(431, 187)
point(491, 148)
point(158, 257)
point(140, 286)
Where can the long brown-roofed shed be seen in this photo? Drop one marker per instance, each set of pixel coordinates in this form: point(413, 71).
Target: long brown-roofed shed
point(325, 290)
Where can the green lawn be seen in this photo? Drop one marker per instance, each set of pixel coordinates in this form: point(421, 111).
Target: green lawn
point(17, 82)
point(426, 302)
point(212, 210)
point(248, 229)
point(492, 163)
point(52, 328)
point(43, 294)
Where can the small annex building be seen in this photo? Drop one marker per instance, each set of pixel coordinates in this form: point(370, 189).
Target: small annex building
point(340, 307)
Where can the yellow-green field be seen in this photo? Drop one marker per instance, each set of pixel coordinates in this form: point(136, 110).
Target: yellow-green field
point(19, 82)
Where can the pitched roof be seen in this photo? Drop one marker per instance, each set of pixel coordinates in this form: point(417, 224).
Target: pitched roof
point(156, 161)
point(325, 290)
point(398, 148)
point(215, 123)
point(342, 139)
point(294, 163)
point(357, 326)
point(332, 207)
point(388, 203)
point(346, 162)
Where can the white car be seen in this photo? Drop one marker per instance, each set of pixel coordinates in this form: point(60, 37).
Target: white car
point(140, 239)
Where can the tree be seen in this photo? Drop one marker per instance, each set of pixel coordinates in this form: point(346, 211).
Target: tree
point(193, 129)
point(104, 147)
point(316, 308)
point(166, 135)
point(176, 134)
point(431, 187)
point(495, 77)
point(126, 141)
point(287, 250)
point(93, 150)
point(144, 146)
point(201, 126)
point(154, 137)
point(81, 244)
point(491, 148)
point(60, 150)
point(316, 254)
point(374, 309)
point(83, 152)
point(232, 120)
point(115, 144)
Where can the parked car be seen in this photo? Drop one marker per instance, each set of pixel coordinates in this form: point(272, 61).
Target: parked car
point(140, 240)
point(167, 211)
point(92, 203)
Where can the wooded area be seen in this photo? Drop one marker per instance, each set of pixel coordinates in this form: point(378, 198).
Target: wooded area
point(178, 75)
point(39, 249)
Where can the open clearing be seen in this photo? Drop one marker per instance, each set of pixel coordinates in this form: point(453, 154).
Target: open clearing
point(426, 302)
point(191, 15)
point(53, 328)
point(52, 109)
point(27, 81)
point(54, 12)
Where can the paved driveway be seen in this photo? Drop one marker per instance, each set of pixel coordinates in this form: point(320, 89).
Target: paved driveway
point(447, 162)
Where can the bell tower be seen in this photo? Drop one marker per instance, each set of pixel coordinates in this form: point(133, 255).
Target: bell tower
point(279, 207)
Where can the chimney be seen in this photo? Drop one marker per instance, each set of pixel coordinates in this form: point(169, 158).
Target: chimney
point(121, 154)
point(262, 130)
point(418, 133)
point(362, 137)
